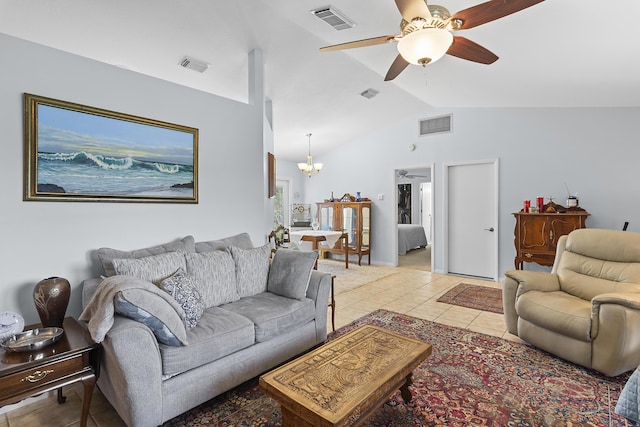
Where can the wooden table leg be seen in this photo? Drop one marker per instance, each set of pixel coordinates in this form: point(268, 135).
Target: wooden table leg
point(314, 244)
point(89, 383)
point(345, 238)
point(61, 397)
point(404, 390)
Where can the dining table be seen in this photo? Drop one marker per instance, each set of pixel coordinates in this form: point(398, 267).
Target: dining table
point(310, 240)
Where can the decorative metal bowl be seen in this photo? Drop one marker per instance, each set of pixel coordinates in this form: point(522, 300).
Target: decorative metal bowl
point(32, 340)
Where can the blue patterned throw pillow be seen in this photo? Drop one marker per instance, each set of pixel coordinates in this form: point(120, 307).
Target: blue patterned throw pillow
point(163, 321)
point(182, 288)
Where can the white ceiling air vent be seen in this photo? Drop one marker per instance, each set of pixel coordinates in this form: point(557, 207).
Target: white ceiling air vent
point(334, 17)
point(369, 93)
point(194, 64)
point(433, 125)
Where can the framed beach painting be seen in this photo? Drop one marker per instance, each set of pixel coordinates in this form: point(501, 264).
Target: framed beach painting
point(78, 153)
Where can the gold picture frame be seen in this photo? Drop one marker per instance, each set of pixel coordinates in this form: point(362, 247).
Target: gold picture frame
point(74, 152)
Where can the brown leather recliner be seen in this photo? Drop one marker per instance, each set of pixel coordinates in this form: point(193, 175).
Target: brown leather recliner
point(587, 309)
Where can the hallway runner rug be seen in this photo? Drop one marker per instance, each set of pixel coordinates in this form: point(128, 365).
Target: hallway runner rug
point(474, 296)
point(470, 379)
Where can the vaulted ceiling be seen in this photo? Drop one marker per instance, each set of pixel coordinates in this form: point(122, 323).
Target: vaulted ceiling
point(554, 54)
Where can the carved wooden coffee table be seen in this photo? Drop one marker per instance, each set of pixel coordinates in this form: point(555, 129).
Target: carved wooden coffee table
point(342, 382)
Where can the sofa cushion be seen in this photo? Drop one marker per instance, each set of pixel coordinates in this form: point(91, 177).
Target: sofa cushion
point(557, 311)
point(241, 240)
point(290, 273)
point(107, 255)
point(252, 269)
point(218, 333)
point(181, 286)
point(154, 312)
point(273, 314)
point(215, 276)
point(153, 268)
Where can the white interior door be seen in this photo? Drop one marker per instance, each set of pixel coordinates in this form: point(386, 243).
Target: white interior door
point(425, 208)
point(472, 218)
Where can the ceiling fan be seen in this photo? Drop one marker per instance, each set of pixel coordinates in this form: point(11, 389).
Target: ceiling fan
point(426, 33)
point(405, 174)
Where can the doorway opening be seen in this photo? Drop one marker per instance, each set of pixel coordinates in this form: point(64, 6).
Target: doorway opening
point(282, 203)
point(414, 213)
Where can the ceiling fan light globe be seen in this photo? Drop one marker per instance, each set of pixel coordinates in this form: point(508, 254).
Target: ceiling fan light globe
point(425, 46)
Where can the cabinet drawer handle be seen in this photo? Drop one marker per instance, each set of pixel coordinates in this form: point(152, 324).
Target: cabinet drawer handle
point(528, 255)
point(37, 376)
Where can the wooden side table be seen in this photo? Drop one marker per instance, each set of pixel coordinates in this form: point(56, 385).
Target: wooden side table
point(74, 357)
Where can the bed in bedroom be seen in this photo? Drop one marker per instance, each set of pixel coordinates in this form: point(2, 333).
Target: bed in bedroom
point(410, 236)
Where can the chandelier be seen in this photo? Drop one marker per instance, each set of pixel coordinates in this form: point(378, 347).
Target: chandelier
point(309, 168)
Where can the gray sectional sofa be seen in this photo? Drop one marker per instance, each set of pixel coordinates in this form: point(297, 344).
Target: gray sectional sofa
point(168, 348)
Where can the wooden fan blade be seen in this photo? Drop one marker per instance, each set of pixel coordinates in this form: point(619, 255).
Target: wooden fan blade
point(471, 51)
point(359, 43)
point(490, 11)
point(410, 9)
point(398, 66)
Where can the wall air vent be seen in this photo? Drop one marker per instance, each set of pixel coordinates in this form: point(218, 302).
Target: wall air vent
point(194, 64)
point(334, 17)
point(433, 125)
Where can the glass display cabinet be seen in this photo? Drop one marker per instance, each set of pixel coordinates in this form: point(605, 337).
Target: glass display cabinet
point(353, 219)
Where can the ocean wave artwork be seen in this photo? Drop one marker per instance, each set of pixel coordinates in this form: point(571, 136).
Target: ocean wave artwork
point(88, 173)
point(88, 154)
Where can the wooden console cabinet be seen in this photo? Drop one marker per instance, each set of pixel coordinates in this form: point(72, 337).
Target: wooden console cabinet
point(352, 218)
point(537, 234)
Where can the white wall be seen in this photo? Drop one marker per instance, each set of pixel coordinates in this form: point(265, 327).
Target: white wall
point(594, 150)
point(42, 239)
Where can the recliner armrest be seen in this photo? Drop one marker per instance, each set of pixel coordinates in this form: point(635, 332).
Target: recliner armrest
point(534, 281)
point(627, 299)
point(630, 300)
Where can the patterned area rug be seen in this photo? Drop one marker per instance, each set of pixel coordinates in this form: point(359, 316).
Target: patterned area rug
point(355, 276)
point(474, 296)
point(470, 379)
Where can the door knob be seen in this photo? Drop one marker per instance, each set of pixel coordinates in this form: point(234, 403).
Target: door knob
point(489, 229)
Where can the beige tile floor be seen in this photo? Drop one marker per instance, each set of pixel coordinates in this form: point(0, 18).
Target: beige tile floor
point(411, 291)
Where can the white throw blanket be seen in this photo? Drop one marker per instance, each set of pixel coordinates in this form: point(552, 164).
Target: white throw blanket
point(100, 309)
